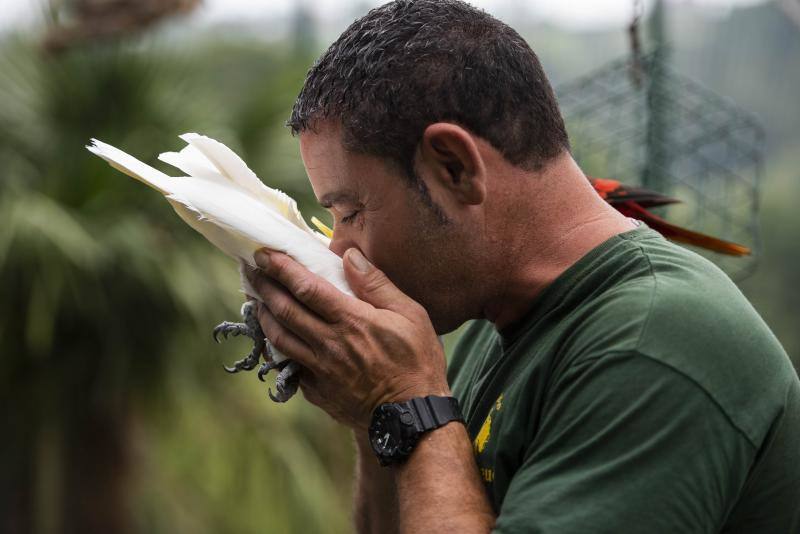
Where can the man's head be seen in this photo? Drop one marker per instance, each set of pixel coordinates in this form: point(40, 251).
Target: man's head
point(411, 63)
point(418, 109)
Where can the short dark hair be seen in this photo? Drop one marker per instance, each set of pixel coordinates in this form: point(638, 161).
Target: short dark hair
point(410, 63)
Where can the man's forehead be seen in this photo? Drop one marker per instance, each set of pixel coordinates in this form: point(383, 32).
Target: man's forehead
point(321, 147)
point(326, 164)
point(337, 175)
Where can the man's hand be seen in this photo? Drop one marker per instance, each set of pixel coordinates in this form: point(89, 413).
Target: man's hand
point(356, 354)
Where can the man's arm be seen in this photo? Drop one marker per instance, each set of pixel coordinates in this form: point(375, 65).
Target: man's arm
point(358, 354)
point(375, 495)
point(438, 488)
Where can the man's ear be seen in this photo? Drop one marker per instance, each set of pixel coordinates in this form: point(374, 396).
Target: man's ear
point(452, 157)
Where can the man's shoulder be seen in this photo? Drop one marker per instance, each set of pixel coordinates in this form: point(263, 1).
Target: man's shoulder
point(651, 332)
point(662, 302)
point(686, 314)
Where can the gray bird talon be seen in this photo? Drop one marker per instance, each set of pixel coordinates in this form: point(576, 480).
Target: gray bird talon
point(248, 363)
point(265, 368)
point(287, 381)
point(226, 328)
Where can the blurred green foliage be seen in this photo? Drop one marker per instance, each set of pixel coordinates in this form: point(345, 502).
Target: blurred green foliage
point(122, 418)
point(119, 415)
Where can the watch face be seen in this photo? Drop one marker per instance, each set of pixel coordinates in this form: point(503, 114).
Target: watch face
point(389, 432)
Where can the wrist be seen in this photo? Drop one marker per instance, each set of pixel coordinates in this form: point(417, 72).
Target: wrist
point(363, 447)
point(397, 427)
point(432, 441)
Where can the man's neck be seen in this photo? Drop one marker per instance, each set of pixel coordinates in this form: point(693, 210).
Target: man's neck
point(567, 220)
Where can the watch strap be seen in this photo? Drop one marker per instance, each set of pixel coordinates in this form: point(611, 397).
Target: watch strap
point(433, 412)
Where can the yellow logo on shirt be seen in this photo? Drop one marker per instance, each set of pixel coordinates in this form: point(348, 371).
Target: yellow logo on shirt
point(487, 474)
point(483, 435)
point(486, 429)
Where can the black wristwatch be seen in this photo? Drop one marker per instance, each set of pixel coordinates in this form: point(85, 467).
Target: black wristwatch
point(397, 426)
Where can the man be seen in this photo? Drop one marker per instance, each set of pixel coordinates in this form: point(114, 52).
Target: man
point(613, 382)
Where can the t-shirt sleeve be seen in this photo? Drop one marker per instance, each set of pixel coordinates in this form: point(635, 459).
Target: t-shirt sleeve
point(627, 444)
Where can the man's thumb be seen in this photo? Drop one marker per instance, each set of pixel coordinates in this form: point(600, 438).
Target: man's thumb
point(371, 285)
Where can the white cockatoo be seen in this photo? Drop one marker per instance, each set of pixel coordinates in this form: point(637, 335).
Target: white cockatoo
point(229, 205)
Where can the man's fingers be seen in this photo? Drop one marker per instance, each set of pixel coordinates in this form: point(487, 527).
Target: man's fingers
point(310, 388)
point(371, 285)
point(288, 311)
point(285, 341)
point(315, 292)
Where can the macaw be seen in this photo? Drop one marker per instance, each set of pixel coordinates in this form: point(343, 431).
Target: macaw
point(633, 202)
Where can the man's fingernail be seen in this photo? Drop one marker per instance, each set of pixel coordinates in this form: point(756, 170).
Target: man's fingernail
point(358, 260)
point(261, 258)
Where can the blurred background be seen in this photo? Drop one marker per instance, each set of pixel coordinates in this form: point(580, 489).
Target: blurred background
point(117, 415)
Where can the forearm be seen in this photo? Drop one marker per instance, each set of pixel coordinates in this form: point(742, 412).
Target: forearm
point(378, 348)
point(375, 500)
point(439, 489)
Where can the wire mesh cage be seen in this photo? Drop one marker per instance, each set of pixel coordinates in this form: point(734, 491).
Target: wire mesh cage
point(644, 124)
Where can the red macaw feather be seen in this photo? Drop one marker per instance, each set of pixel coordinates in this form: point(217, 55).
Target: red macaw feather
point(634, 201)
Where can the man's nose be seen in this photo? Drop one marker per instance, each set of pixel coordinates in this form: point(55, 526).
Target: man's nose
point(340, 243)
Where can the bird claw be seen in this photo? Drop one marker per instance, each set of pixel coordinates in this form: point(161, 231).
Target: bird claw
point(227, 328)
point(265, 368)
point(248, 363)
point(250, 328)
point(287, 382)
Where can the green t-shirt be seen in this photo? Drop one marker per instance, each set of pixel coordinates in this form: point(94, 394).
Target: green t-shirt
point(641, 393)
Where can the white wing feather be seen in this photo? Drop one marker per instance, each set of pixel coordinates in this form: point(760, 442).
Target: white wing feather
point(132, 166)
point(230, 165)
point(192, 162)
point(230, 206)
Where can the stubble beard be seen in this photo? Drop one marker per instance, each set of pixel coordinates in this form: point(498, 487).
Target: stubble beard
point(444, 258)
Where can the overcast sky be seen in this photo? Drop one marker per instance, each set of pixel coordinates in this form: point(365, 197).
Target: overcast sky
point(564, 12)
point(573, 13)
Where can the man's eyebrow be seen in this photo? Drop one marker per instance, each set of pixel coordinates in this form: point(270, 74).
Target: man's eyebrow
point(336, 197)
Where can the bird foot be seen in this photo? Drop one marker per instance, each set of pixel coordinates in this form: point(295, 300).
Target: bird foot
point(266, 367)
point(250, 328)
point(287, 381)
point(227, 328)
